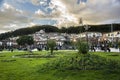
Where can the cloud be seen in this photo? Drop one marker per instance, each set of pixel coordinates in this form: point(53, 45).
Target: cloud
point(39, 13)
point(22, 13)
point(10, 16)
point(38, 2)
point(95, 11)
point(7, 12)
point(59, 12)
point(2, 31)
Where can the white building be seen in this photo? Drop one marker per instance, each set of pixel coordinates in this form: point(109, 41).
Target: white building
point(113, 36)
point(91, 34)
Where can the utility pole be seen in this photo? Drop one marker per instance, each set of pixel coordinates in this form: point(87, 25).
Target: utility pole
point(81, 25)
point(111, 27)
point(112, 31)
point(86, 29)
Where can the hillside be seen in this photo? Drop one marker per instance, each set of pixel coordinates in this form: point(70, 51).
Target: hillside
point(78, 29)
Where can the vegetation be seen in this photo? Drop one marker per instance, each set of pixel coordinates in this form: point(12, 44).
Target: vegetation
point(65, 66)
point(51, 44)
point(82, 47)
point(113, 56)
point(91, 62)
point(25, 40)
point(48, 28)
point(28, 30)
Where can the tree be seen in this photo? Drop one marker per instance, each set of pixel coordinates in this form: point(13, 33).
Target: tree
point(51, 44)
point(25, 40)
point(82, 47)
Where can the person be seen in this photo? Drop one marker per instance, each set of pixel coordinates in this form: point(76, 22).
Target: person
point(11, 49)
point(108, 48)
point(29, 50)
point(102, 47)
point(92, 48)
point(119, 47)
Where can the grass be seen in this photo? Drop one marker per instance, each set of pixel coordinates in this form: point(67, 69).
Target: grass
point(27, 68)
point(112, 55)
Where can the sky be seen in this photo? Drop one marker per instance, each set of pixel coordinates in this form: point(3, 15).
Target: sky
point(15, 14)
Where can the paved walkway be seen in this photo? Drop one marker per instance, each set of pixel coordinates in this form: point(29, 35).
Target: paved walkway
point(112, 50)
point(98, 50)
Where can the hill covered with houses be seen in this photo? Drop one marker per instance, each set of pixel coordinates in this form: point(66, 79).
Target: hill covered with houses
point(51, 29)
point(64, 37)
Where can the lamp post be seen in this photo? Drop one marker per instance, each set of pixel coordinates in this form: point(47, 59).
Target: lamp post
point(81, 25)
point(86, 29)
point(112, 33)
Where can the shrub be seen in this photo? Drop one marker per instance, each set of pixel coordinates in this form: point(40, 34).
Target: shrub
point(112, 67)
point(51, 44)
point(91, 62)
point(82, 47)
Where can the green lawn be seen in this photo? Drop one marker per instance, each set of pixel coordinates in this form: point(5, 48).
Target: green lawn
point(112, 55)
point(15, 68)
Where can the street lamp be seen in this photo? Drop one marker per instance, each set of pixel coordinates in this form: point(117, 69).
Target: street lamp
point(81, 24)
point(86, 29)
point(112, 33)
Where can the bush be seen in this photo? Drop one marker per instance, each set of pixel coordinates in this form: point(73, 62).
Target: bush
point(82, 47)
point(91, 62)
point(112, 67)
point(51, 44)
